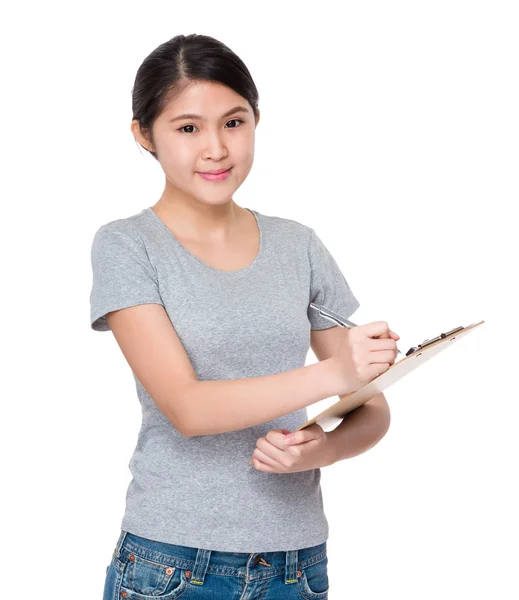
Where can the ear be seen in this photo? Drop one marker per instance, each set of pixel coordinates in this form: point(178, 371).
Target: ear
point(137, 134)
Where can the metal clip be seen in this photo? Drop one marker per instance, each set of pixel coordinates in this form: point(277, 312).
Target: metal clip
point(426, 343)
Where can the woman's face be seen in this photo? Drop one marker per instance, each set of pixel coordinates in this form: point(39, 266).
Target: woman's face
point(220, 138)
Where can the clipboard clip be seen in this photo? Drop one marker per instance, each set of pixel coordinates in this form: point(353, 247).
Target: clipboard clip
point(426, 343)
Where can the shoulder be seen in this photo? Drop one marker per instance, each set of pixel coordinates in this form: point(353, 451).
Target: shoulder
point(119, 242)
point(124, 230)
point(288, 226)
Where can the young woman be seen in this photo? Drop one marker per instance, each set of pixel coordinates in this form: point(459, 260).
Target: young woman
point(209, 303)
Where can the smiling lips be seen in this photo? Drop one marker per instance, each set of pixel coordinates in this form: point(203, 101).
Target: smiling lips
point(214, 171)
point(219, 175)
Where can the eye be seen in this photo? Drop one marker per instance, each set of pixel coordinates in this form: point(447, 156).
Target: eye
point(235, 120)
point(231, 121)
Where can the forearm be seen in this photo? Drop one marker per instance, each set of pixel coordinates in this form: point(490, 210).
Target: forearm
point(227, 405)
point(359, 431)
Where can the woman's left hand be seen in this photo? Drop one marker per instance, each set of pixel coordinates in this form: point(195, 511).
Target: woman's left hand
point(310, 450)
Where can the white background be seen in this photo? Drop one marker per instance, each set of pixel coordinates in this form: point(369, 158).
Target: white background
point(391, 128)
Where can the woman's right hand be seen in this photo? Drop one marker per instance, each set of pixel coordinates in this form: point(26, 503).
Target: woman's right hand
point(360, 357)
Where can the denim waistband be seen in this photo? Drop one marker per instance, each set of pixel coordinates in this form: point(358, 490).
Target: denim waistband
point(199, 561)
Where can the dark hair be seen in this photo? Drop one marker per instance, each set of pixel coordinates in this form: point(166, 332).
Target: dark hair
point(179, 62)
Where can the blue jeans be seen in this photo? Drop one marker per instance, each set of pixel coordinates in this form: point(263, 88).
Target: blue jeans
point(143, 569)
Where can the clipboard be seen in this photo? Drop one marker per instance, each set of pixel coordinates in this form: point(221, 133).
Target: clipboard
point(414, 358)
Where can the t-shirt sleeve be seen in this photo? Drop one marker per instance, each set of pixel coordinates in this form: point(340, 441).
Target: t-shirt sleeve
point(328, 286)
point(122, 274)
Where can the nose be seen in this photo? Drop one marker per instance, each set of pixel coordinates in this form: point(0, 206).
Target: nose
point(215, 148)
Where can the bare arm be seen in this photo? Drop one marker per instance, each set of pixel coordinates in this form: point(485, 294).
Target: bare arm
point(219, 406)
point(157, 357)
point(361, 429)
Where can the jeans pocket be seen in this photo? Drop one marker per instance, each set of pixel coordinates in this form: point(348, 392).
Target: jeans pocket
point(313, 583)
point(144, 579)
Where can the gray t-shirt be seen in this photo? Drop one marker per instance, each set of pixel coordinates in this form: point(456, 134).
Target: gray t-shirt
point(200, 491)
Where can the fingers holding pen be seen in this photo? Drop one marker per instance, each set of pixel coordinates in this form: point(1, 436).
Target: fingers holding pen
point(366, 351)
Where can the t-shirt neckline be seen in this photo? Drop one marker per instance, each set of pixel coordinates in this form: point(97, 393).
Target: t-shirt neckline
point(172, 237)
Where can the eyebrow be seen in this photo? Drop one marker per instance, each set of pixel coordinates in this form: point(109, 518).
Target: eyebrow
point(191, 116)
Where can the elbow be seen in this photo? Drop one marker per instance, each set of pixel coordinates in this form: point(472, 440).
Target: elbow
point(387, 421)
point(187, 430)
point(181, 428)
point(179, 412)
point(185, 418)
point(179, 425)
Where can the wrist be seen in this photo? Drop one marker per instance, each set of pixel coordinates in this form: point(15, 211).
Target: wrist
point(333, 375)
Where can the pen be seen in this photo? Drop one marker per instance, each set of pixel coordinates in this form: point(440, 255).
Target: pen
point(334, 317)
